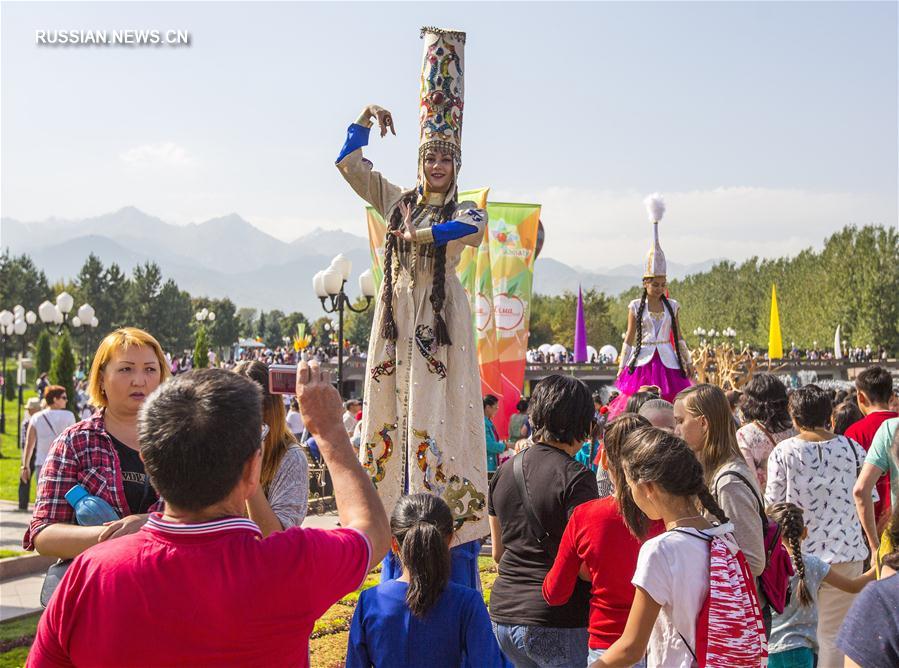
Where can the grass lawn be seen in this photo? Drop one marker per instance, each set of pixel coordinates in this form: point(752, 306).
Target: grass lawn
point(327, 645)
point(11, 455)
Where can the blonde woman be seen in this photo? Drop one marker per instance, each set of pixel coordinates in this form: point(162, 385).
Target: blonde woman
point(703, 419)
point(282, 498)
point(101, 453)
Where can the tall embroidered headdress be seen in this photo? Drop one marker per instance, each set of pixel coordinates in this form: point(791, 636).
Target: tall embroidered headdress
point(655, 258)
point(442, 95)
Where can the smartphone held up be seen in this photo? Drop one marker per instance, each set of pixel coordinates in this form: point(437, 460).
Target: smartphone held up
point(282, 379)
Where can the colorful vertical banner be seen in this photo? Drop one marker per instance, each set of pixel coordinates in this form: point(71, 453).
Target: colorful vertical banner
point(485, 319)
point(512, 238)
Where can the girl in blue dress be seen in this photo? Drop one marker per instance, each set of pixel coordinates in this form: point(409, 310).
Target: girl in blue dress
point(421, 618)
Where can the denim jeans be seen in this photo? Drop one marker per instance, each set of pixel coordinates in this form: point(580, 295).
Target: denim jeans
point(596, 653)
point(541, 646)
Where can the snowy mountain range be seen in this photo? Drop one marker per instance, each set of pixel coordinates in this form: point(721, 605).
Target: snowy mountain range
point(229, 257)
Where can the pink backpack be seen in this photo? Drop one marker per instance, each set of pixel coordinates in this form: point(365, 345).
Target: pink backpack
point(730, 630)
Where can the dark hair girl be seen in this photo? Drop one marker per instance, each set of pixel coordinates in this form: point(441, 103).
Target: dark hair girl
point(422, 611)
point(765, 401)
point(598, 538)
point(844, 416)
point(675, 569)
point(810, 573)
point(654, 455)
point(613, 446)
point(561, 409)
point(422, 526)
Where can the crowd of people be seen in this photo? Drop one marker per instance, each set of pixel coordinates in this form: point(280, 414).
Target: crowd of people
point(856, 354)
point(714, 530)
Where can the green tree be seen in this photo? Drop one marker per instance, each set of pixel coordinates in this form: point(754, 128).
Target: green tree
point(43, 354)
point(260, 325)
point(172, 314)
point(143, 289)
point(9, 385)
point(357, 326)
point(273, 333)
point(553, 319)
point(246, 318)
point(21, 282)
point(201, 349)
point(321, 335)
point(115, 305)
point(289, 324)
point(62, 370)
point(225, 329)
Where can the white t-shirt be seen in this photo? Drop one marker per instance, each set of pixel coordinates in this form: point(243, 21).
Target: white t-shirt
point(349, 422)
point(818, 476)
point(673, 569)
point(294, 422)
point(60, 420)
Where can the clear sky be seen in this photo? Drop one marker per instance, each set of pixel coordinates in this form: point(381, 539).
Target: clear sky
point(767, 125)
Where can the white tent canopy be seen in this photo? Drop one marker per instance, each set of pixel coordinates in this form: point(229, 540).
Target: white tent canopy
point(608, 353)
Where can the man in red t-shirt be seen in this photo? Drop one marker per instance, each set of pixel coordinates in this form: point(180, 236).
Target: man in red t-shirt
point(875, 387)
point(197, 585)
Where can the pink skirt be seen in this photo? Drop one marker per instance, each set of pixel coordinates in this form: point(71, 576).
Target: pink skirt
point(670, 381)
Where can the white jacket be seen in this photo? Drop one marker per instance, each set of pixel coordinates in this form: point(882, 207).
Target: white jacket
point(653, 341)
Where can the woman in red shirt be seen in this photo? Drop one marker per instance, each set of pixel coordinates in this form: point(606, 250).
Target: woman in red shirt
point(598, 546)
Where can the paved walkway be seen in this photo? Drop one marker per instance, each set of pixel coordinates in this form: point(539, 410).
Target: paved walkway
point(21, 596)
point(13, 523)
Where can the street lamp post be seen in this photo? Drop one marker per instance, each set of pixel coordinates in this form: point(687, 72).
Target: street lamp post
point(6, 331)
point(329, 288)
point(13, 323)
point(85, 321)
point(56, 316)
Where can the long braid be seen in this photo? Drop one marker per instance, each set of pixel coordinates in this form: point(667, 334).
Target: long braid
point(388, 321)
point(438, 289)
point(639, 342)
point(710, 504)
point(789, 517)
point(680, 363)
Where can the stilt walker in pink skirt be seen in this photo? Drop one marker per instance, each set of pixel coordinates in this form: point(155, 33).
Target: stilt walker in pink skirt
point(649, 356)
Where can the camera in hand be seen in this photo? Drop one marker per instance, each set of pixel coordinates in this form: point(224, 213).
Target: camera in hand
point(282, 379)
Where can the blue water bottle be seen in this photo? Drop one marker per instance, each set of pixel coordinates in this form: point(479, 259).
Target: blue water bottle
point(90, 510)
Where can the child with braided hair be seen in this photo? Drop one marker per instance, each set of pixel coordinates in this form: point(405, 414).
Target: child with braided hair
point(691, 574)
point(793, 641)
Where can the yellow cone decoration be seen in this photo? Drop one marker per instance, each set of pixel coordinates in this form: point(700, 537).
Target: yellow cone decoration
point(775, 344)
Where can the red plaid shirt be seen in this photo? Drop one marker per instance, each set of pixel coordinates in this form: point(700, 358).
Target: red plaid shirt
point(81, 455)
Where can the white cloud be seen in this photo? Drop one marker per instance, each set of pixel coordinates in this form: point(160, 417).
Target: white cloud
point(163, 154)
point(594, 229)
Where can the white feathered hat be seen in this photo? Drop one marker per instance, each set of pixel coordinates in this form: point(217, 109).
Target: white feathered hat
point(655, 258)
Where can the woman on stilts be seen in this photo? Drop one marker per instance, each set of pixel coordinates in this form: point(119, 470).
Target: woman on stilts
point(654, 351)
point(423, 424)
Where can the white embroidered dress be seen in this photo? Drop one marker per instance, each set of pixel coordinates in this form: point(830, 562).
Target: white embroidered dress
point(423, 419)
